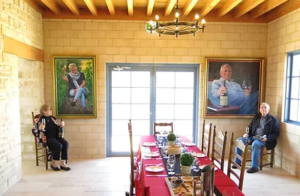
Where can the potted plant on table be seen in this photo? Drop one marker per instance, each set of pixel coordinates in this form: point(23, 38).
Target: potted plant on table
point(186, 161)
point(171, 139)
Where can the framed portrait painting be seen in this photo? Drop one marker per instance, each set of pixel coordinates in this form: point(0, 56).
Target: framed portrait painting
point(74, 86)
point(233, 87)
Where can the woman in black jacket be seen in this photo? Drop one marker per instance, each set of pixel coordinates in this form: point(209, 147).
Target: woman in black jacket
point(49, 126)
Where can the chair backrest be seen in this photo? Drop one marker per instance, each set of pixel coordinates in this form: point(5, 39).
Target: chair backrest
point(206, 138)
point(131, 158)
point(161, 126)
point(243, 147)
point(219, 147)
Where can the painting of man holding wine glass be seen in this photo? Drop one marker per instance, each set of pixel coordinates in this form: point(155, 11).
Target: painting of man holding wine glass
point(233, 87)
point(74, 87)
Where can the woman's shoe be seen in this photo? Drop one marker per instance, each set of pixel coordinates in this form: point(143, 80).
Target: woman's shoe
point(54, 168)
point(65, 168)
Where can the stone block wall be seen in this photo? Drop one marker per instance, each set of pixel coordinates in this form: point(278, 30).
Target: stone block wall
point(20, 22)
point(283, 37)
point(128, 42)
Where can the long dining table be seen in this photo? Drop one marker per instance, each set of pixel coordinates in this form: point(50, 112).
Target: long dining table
point(153, 184)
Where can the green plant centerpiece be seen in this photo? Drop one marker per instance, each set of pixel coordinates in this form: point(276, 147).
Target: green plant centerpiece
point(186, 161)
point(171, 139)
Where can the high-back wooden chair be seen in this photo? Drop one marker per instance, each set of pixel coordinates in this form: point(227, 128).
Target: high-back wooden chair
point(131, 159)
point(162, 125)
point(40, 151)
point(263, 153)
point(206, 138)
point(243, 147)
point(219, 147)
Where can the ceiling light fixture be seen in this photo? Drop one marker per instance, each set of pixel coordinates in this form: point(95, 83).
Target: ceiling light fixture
point(176, 27)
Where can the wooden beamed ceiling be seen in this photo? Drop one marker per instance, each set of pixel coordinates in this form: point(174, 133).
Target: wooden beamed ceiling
point(260, 11)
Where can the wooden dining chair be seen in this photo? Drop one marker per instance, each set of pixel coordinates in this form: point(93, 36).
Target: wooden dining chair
point(206, 138)
point(131, 191)
point(161, 126)
point(41, 153)
point(243, 147)
point(219, 147)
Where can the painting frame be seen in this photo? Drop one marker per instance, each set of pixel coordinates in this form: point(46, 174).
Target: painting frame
point(248, 75)
point(74, 75)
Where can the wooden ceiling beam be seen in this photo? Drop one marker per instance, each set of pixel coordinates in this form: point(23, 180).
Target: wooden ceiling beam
point(110, 6)
point(51, 4)
point(170, 6)
point(72, 6)
point(34, 5)
point(150, 7)
point(229, 5)
point(246, 7)
point(130, 7)
point(282, 10)
point(208, 7)
point(265, 7)
point(91, 5)
point(189, 6)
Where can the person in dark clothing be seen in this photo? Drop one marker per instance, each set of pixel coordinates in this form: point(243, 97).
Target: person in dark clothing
point(49, 126)
point(263, 132)
point(76, 85)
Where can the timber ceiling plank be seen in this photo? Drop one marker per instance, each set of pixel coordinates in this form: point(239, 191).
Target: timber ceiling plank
point(51, 4)
point(229, 5)
point(150, 7)
point(130, 7)
point(246, 7)
point(265, 7)
point(208, 7)
point(91, 5)
point(169, 7)
point(189, 6)
point(110, 6)
point(72, 6)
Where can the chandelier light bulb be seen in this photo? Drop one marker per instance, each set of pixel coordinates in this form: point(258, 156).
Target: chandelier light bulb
point(177, 14)
point(176, 27)
point(203, 21)
point(197, 16)
point(151, 23)
point(156, 17)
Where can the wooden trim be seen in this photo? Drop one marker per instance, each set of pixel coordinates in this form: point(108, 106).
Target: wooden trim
point(34, 5)
point(246, 7)
point(22, 50)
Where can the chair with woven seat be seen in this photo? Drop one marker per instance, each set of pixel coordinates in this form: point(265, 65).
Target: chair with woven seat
point(219, 147)
point(206, 138)
point(41, 153)
point(158, 127)
point(243, 147)
point(263, 152)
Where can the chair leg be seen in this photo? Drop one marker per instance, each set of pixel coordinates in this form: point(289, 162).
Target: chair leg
point(46, 158)
point(272, 158)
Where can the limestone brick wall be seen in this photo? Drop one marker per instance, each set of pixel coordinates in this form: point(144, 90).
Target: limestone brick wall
point(283, 37)
point(18, 21)
point(127, 41)
point(31, 85)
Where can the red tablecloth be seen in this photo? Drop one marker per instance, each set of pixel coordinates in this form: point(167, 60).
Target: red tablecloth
point(230, 190)
point(147, 185)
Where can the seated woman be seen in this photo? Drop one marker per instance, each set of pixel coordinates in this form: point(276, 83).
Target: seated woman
point(51, 131)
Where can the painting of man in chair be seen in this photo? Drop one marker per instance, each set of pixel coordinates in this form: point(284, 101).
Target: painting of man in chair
point(74, 87)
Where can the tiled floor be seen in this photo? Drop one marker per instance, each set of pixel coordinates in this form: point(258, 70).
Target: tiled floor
point(110, 177)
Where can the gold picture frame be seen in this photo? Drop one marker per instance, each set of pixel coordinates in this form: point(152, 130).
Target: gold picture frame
point(245, 87)
point(74, 87)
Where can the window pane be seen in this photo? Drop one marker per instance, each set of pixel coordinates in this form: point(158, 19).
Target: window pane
point(120, 79)
point(184, 95)
point(183, 127)
point(165, 79)
point(295, 88)
point(121, 111)
point(294, 110)
point(140, 127)
point(296, 65)
point(140, 95)
point(140, 111)
point(140, 79)
point(165, 112)
point(184, 79)
point(121, 143)
point(120, 95)
point(184, 112)
point(165, 95)
point(119, 127)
